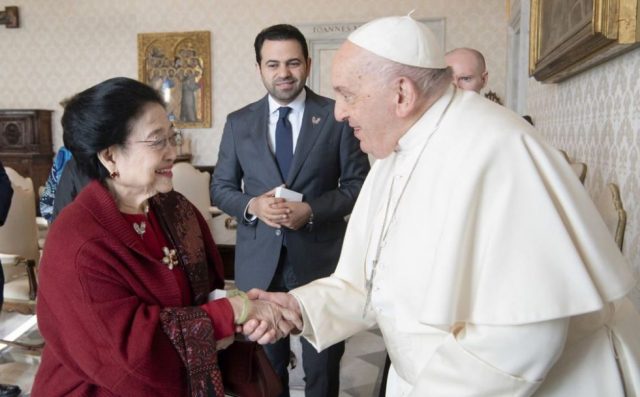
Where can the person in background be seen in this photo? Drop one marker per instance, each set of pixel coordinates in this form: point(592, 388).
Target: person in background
point(6, 193)
point(47, 199)
point(290, 138)
point(473, 246)
point(72, 181)
point(469, 69)
point(128, 265)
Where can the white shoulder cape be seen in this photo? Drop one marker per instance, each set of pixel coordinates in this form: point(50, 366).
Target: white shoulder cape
point(494, 227)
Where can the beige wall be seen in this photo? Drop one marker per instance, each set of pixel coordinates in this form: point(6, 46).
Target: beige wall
point(595, 117)
point(65, 46)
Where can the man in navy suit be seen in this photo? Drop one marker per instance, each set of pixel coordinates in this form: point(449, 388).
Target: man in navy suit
point(6, 193)
point(282, 244)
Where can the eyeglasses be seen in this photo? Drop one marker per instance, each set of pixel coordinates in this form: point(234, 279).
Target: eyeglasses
point(174, 140)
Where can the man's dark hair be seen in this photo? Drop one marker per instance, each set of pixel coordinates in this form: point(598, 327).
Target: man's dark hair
point(280, 32)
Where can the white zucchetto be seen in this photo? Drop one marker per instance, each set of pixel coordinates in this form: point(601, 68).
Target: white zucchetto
point(400, 39)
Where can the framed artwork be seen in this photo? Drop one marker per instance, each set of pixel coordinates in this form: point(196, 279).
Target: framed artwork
point(570, 36)
point(178, 65)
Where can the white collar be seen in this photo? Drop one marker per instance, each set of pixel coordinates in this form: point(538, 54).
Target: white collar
point(425, 124)
point(297, 105)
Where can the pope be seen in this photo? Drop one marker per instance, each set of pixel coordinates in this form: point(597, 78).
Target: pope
point(472, 246)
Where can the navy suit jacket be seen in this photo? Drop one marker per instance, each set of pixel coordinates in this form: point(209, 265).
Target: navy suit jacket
point(328, 168)
point(6, 193)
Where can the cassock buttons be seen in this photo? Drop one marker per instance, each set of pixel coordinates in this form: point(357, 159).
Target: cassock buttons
point(278, 232)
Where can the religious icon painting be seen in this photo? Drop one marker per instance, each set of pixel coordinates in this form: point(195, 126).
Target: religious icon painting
point(178, 65)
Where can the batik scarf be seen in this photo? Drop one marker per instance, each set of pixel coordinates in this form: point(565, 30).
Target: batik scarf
point(189, 328)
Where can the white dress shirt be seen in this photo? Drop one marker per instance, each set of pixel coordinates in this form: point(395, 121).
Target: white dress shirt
point(295, 118)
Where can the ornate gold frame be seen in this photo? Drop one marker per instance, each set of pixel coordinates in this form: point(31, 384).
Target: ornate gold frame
point(179, 66)
point(612, 29)
point(622, 214)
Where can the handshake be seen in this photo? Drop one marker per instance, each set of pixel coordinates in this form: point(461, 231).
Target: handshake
point(269, 316)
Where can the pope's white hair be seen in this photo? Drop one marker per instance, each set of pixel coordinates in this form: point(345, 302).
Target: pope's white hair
point(428, 81)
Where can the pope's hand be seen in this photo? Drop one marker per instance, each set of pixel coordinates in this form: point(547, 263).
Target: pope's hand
point(289, 308)
point(267, 322)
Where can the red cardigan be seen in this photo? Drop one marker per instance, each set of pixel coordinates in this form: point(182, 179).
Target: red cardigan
point(99, 301)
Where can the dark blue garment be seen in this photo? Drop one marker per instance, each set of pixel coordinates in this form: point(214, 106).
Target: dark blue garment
point(6, 193)
point(284, 142)
point(49, 193)
point(71, 182)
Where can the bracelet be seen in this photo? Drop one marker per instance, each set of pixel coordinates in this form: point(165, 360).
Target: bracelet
point(245, 304)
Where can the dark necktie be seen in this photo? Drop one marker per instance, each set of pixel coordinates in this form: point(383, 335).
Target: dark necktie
point(284, 142)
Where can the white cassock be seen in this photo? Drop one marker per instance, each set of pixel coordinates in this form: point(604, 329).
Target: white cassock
point(495, 274)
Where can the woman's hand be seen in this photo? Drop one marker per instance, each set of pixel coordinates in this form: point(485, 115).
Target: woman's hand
point(283, 310)
point(273, 322)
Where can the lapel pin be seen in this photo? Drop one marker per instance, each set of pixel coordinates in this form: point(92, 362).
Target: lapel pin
point(315, 120)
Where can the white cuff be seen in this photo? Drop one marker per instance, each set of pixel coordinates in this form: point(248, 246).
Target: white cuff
point(246, 217)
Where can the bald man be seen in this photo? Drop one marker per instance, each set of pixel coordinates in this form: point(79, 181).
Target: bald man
point(469, 69)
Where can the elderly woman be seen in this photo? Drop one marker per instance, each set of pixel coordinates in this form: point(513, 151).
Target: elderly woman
point(128, 265)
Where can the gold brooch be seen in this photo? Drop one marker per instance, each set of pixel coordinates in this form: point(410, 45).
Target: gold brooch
point(170, 258)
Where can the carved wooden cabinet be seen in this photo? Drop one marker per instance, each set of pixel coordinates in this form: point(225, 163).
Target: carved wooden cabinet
point(25, 143)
